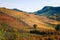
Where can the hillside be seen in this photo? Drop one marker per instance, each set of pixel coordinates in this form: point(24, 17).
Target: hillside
point(11, 21)
point(16, 25)
point(50, 12)
point(29, 19)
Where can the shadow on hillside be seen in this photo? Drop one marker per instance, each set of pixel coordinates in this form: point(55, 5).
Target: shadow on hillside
point(40, 33)
point(48, 32)
point(37, 32)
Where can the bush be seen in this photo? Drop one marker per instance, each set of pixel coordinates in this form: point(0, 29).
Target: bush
point(34, 26)
point(57, 27)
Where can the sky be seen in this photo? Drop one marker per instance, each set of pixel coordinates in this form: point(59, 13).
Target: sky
point(28, 5)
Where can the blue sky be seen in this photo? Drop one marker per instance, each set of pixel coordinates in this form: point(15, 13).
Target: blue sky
point(28, 5)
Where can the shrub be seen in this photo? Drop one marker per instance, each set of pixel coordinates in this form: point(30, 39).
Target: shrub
point(57, 27)
point(34, 26)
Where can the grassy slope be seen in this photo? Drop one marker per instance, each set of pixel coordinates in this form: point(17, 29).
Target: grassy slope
point(12, 21)
point(14, 27)
point(29, 19)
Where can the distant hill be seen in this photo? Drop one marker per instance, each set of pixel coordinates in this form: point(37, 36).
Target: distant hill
point(17, 10)
point(50, 12)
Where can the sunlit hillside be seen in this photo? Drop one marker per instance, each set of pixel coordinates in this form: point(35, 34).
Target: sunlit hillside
point(15, 25)
point(29, 19)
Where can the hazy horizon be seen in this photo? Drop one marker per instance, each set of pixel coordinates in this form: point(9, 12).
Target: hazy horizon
point(29, 5)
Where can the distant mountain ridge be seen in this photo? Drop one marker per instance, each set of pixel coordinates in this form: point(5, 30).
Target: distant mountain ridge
point(49, 11)
point(17, 10)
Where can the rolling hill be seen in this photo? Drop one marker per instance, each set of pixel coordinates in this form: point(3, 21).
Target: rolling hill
point(16, 25)
point(28, 19)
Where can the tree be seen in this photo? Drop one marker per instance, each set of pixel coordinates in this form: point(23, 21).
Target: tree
point(34, 26)
point(57, 27)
